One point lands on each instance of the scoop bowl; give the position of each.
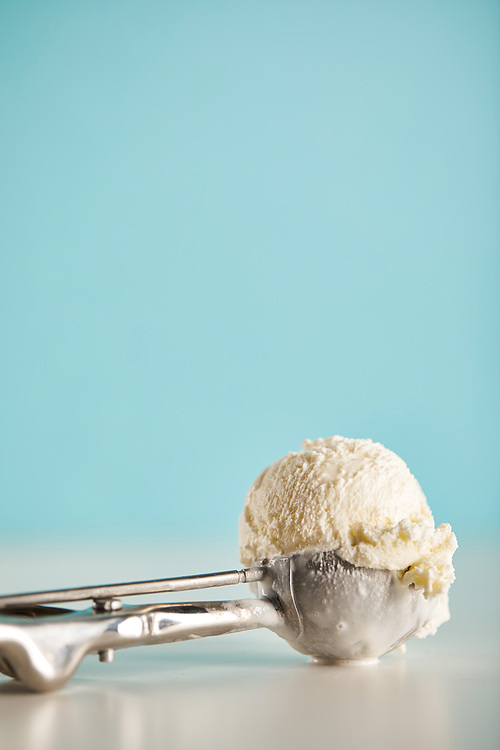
(337, 612)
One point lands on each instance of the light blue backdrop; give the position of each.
(229, 226)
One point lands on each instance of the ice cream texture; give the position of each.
(355, 497)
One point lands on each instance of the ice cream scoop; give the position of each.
(324, 607)
(342, 554)
(359, 499)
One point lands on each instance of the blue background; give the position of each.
(229, 226)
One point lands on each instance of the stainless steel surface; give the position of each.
(348, 613)
(320, 605)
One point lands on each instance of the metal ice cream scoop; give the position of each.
(323, 606)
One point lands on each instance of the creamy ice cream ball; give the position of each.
(355, 497)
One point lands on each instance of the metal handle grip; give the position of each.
(45, 652)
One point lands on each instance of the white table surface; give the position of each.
(251, 690)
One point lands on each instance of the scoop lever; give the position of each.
(135, 588)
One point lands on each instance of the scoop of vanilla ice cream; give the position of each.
(357, 498)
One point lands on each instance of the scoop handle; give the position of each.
(45, 652)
